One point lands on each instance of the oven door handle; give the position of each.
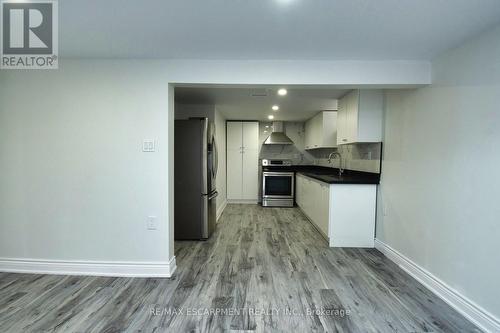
(276, 174)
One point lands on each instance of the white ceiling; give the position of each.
(270, 29)
(254, 103)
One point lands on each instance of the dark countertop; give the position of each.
(330, 175)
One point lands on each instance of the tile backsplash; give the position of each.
(360, 157)
(295, 152)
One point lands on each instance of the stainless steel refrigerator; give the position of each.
(195, 173)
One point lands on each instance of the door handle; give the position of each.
(216, 158)
(213, 195)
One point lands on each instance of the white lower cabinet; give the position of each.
(344, 213)
(313, 198)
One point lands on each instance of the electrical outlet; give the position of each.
(152, 223)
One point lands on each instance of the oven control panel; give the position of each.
(269, 162)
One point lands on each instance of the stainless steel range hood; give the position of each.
(278, 136)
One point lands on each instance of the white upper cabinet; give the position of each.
(321, 131)
(360, 117)
(242, 161)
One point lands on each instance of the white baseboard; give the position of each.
(92, 268)
(220, 210)
(466, 307)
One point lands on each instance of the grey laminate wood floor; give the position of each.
(260, 259)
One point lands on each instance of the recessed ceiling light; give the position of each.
(271, 117)
(275, 108)
(282, 92)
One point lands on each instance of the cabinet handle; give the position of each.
(344, 140)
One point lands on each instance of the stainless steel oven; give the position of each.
(278, 186)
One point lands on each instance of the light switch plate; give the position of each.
(148, 146)
(152, 223)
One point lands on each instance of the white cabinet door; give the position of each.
(317, 123)
(234, 160)
(250, 168)
(234, 179)
(307, 195)
(303, 190)
(313, 205)
(310, 200)
(342, 121)
(250, 187)
(234, 135)
(308, 135)
(360, 117)
(250, 135)
(329, 139)
(352, 116)
(242, 160)
(299, 190)
(323, 208)
(321, 131)
(313, 198)
(370, 115)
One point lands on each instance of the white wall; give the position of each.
(74, 182)
(438, 202)
(220, 137)
(344, 73)
(186, 111)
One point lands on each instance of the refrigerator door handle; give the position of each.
(216, 158)
(206, 218)
(204, 166)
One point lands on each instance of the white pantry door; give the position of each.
(250, 170)
(234, 159)
(242, 160)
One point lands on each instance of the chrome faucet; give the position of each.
(341, 170)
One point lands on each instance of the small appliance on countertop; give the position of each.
(278, 183)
